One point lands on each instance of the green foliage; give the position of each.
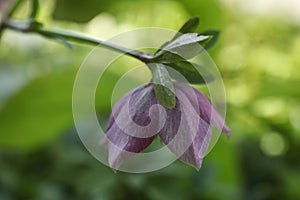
(214, 35)
(181, 48)
(163, 86)
(188, 27)
(42, 158)
(77, 11)
(38, 112)
(42, 110)
(186, 45)
(194, 73)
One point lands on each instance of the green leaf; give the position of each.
(185, 39)
(184, 47)
(214, 36)
(191, 73)
(42, 110)
(188, 27)
(35, 6)
(163, 86)
(77, 10)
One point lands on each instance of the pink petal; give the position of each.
(185, 133)
(131, 113)
(207, 112)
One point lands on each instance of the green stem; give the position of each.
(14, 7)
(29, 26)
(35, 6)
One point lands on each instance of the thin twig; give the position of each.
(14, 7)
(29, 26)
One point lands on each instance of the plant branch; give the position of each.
(35, 8)
(14, 7)
(30, 26)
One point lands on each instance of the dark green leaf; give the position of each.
(188, 27)
(191, 73)
(168, 57)
(77, 10)
(213, 39)
(163, 86)
(35, 6)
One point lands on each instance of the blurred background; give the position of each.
(41, 156)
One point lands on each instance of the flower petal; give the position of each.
(185, 133)
(206, 110)
(117, 108)
(197, 150)
(131, 117)
(122, 146)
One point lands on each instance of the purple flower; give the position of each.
(138, 118)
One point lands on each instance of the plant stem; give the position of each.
(29, 26)
(35, 8)
(14, 7)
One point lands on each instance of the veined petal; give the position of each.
(121, 146)
(137, 118)
(130, 117)
(117, 108)
(206, 110)
(197, 150)
(185, 133)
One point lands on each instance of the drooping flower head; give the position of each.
(180, 115)
(138, 118)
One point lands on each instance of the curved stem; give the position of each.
(78, 37)
(14, 7)
(29, 26)
(35, 5)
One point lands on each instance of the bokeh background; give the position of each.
(41, 156)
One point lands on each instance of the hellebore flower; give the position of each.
(138, 118)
